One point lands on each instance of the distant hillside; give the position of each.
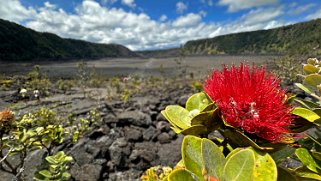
(302, 38)
(172, 52)
(23, 44)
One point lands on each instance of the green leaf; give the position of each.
(210, 119)
(45, 173)
(51, 160)
(310, 69)
(307, 104)
(304, 88)
(307, 160)
(68, 159)
(197, 101)
(313, 80)
(53, 167)
(66, 175)
(210, 107)
(180, 175)
(59, 155)
(203, 118)
(192, 154)
(265, 167)
(305, 113)
(207, 118)
(213, 158)
(176, 130)
(318, 112)
(240, 166)
(195, 130)
(178, 116)
(233, 152)
(305, 173)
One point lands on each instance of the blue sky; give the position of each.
(155, 24)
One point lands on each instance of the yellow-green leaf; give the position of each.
(240, 166)
(305, 157)
(310, 69)
(195, 130)
(192, 154)
(305, 173)
(213, 158)
(197, 101)
(306, 114)
(265, 167)
(178, 116)
(313, 79)
(304, 88)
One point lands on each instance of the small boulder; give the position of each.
(133, 134)
(136, 118)
(164, 138)
(86, 172)
(149, 133)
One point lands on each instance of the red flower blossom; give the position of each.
(251, 100)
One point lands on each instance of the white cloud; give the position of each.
(299, 9)
(189, 20)
(314, 15)
(235, 5)
(92, 22)
(49, 5)
(255, 17)
(13, 10)
(180, 7)
(163, 18)
(254, 20)
(130, 3)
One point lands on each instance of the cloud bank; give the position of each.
(91, 21)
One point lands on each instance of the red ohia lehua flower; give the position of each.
(251, 100)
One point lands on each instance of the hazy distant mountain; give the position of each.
(24, 44)
(171, 52)
(301, 38)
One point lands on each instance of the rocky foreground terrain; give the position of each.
(131, 137)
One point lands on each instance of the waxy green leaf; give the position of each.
(178, 116)
(304, 88)
(192, 155)
(313, 80)
(307, 174)
(213, 158)
(305, 157)
(310, 69)
(265, 167)
(198, 101)
(195, 130)
(305, 113)
(240, 166)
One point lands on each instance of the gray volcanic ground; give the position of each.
(130, 136)
(169, 67)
